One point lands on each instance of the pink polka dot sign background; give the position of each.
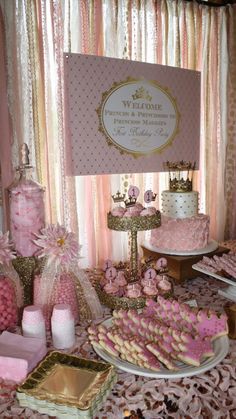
(125, 116)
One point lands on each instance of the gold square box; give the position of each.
(67, 386)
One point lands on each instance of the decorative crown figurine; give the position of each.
(179, 180)
(130, 202)
(133, 194)
(118, 197)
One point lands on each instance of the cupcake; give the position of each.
(150, 289)
(148, 211)
(139, 206)
(118, 211)
(145, 281)
(132, 212)
(111, 288)
(164, 284)
(120, 280)
(133, 291)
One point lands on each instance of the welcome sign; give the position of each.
(124, 116)
(138, 117)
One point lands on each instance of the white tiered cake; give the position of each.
(179, 204)
(182, 228)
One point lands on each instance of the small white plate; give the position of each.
(212, 245)
(220, 345)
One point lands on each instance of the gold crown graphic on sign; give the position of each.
(142, 93)
(118, 197)
(179, 181)
(130, 202)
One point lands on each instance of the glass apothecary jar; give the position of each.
(27, 211)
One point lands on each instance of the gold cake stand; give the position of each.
(133, 224)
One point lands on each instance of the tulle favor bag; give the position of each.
(60, 281)
(11, 293)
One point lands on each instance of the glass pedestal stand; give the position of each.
(134, 224)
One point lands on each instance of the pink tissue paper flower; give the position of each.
(58, 245)
(6, 252)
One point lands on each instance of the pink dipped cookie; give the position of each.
(211, 324)
(194, 350)
(205, 323)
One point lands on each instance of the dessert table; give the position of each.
(209, 395)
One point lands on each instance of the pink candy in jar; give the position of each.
(64, 293)
(27, 214)
(8, 305)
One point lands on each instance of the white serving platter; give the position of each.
(221, 348)
(212, 245)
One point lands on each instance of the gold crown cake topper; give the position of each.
(179, 181)
(118, 197)
(130, 202)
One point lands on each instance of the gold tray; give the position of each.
(68, 380)
(148, 222)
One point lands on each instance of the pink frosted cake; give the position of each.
(182, 228)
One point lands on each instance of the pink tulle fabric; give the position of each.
(64, 292)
